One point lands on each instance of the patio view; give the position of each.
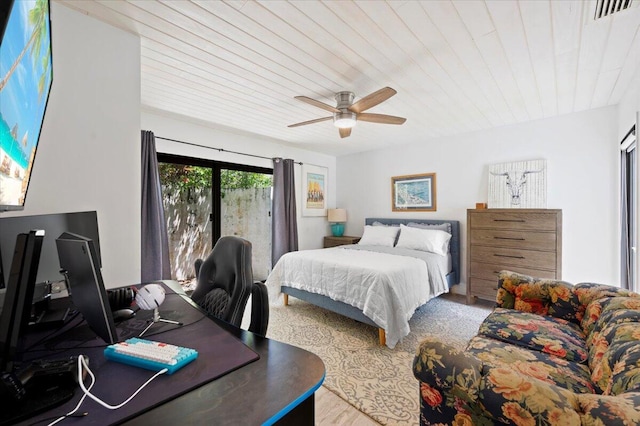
(192, 219)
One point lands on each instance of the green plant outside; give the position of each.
(184, 177)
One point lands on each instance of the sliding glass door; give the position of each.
(204, 200)
(245, 211)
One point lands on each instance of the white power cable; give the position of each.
(82, 363)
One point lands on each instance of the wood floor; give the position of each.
(333, 410)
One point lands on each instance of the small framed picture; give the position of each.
(415, 193)
(314, 190)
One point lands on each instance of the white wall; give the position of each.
(629, 106)
(581, 153)
(89, 152)
(311, 230)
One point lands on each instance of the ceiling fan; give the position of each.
(346, 113)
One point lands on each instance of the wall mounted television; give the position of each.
(26, 74)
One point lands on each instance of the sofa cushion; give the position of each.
(614, 353)
(546, 334)
(589, 293)
(619, 370)
(551, 369)
(610, 410)
(625, 358)
(526, 401)
(565, 303)
(614, 310)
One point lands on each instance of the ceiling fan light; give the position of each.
(344, 120)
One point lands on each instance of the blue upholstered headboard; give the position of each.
(454, 275)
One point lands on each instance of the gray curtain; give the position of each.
(155, 241)
(284, 228)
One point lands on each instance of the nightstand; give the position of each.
(339, 241)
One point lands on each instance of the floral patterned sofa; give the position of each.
(550, 353)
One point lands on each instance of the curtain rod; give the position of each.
(219, 149)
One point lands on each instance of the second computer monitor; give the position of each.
(78, 259)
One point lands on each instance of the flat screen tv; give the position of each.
(26, 74)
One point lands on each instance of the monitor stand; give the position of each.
(50, 319)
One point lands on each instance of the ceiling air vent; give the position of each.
(608, 7)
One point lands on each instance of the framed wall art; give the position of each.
(314, 190)
(519, 184)
(415, 193)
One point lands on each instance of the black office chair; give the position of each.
(259, 308)
(224, 282)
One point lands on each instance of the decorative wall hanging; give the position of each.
(314, 190)
(520, 184)
(413, 193)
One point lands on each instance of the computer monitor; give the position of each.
(81, 223)
(78, 259)
(19, 294)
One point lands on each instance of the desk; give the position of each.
(278, 388)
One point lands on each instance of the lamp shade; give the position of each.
(337, 215)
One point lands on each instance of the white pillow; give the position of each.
(379, 235)
(432, 240)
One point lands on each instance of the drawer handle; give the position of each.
(509, 220)
(509, 238)
(506, 255)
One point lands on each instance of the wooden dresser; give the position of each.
(528, 241)
(339, 241)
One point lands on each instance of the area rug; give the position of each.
(376, 380)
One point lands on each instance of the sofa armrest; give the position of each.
(542, 296)
(515, 288)
(449, 382)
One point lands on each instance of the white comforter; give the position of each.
(386, 287)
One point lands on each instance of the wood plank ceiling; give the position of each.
(458, 66)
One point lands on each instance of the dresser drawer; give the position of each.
(514, 220)
(511, 258)
(515, 239)
(484, 289)
(489, 271)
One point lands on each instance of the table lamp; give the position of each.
(337, 218)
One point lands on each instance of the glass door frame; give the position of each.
(216, 167)
(630, 204)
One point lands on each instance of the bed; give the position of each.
(361, 282)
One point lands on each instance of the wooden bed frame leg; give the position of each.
(286, 299)
(382, 337)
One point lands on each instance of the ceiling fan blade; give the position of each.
(372, 100)
(317, 104)
(381, 118)
(345, 132)
(317, 120)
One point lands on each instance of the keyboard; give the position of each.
(150, 354)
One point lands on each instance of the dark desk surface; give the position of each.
(265, 391)
(261, 392)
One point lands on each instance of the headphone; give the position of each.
(121, 298)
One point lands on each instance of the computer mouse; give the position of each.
(123, 314)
